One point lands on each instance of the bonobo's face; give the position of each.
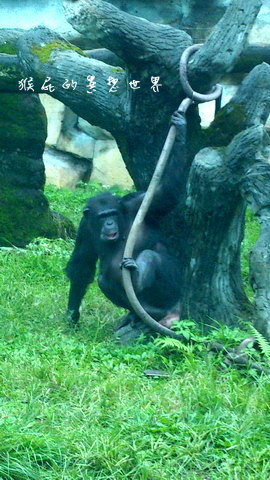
(109, 228)
(103, 217)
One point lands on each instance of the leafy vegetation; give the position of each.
(76, 405)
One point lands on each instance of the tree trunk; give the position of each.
(208, 226)
(215, 218)
(24, 209)
(255, 189)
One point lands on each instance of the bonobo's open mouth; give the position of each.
(112, 236)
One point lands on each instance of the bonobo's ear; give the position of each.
(86, 210)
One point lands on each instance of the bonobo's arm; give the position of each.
(168, 190)
(80, 270)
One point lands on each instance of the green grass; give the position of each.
(75, 405)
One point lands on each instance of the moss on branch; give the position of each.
(44, 53)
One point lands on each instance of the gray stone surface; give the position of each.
(63, 171)
(75, 149)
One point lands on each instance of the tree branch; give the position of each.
(9, 60)
(10, 70)
(106, 56)
(253, 95)
(226, 41)
(242, 151)
(213, 168)
(44, 54)
(142, 43)
(252, 56)
(134, 39)
(8, 39)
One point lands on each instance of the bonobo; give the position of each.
(102, 235)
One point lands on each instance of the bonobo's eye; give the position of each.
(86, 210)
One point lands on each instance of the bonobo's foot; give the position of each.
(128, 319)
(178, 119)
(129, 264)
(73, 317)
(169, 320)
(130, 329)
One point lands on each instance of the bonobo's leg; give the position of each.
(157, 282)
(80, 276)
(148, 263)
(76, 294)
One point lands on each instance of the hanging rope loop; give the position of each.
(214, 93)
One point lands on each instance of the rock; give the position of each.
(260, 32)
(65, 170)
(70, 120)
(95, 132)
(74, 145)
(207, 110)
(63, 226)
(55, 111)
(128, 334)
(76, 142)
(108, 165)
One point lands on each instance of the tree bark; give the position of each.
(252, 56)
(214, 203)
(255, 189)
(215, 213)
(208, 225)
(249, 106)
(227, 40)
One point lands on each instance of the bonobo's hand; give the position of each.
(178, 119)
(129, 264)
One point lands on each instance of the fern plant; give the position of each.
(168, 343)
(262, 342)
(192, 339)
